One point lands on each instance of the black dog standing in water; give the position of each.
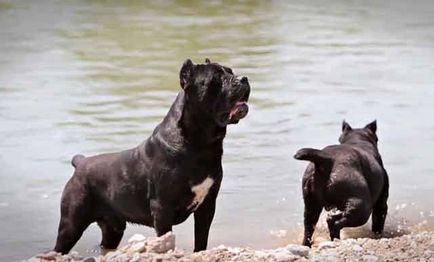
(175, 172)
(348, 180)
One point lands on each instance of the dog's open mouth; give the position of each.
(239, 111)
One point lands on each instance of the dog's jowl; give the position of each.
(347, 180)
(177, 171)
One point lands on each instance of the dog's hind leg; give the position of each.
(76, 216)
(355, 214)
(312, 211)
(379, 210)
(111, 233)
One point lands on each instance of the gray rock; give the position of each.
(326, 245)
(298, 250)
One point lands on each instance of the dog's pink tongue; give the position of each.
(239, 110)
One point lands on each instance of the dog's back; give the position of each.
(343, 171)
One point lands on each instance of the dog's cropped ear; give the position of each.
(207, 61)
(186, 73)
(372, 126)
(346, 127)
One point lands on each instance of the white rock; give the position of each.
(135, 258)
(136, 238)
(284, 257)
(74, 255)
(112, 255)
(48, 256)
(357, 248)
(123, 258)
(369, 258)
(138, 247)
(298, 250)
(161, 244)
(261, 254)
(235, 250)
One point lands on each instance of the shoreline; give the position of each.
(411, 247)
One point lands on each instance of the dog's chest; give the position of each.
(200, 191)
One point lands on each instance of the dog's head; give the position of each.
(215, 91)
(368, 133)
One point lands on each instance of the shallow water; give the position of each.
(97, 76)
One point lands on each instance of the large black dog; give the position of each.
(175, 172)
(348, 180)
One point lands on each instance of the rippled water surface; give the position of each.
(97, 76)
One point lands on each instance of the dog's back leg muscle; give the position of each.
(75, 215)
(111, 234)
(312, 211)
(355, 214)
(379, 210)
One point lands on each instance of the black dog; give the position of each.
(348, 180)
(175, 172)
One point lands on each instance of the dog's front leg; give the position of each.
(203, 217)
(163, 217)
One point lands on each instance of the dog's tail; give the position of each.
(314, 155)
(76, 160)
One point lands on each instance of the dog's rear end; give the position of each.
(347, 181)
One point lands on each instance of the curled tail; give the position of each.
(314, 155)
(76, 160)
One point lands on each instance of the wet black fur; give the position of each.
(349, 177)
(151, 183)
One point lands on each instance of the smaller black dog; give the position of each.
(348, 180)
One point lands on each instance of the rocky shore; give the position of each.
(411, 247)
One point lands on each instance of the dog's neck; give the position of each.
(183, 122)
(366, 145)
(363, 143)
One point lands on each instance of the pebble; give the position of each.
(136, 238)
(74, 255)
(48, 256)
(298, 250)
(284, 257)
(357, 248)
(138, 247)
(112, 255)
(326, 245)
(161, 244)
(369, 258)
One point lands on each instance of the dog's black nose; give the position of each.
(244, 80)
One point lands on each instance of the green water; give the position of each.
(97, 76)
